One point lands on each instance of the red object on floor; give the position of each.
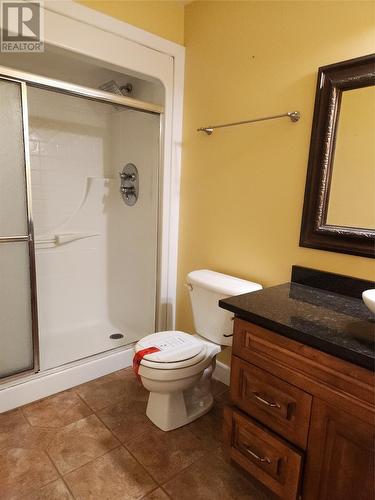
(138, 356)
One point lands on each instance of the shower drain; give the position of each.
(116, 336)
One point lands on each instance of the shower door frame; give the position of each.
(29, 238)
(23, 79)
(44, 82)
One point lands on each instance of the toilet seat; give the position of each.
(177, 350)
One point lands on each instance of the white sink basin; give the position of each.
(368, 297)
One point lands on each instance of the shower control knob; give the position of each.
(128, 191)
(128, 177)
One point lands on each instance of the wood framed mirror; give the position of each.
(339, 206)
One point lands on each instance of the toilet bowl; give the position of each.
(176, 367)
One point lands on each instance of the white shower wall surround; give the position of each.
(96, 258)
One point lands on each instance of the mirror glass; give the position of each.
(352, 192)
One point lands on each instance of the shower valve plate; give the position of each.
(129, 188)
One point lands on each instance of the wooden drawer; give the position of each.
(282, 407)
(270, 460)
(344, 384)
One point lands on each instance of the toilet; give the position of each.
(176, 367)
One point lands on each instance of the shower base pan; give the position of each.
(67, 345)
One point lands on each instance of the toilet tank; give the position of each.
(206, 289)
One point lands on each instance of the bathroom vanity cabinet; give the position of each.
(301, 421)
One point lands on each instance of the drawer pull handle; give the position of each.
(263, 460)
(271, 404)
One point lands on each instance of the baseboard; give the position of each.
(222, 373)
(42, 385)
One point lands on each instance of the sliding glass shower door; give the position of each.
(18, 317)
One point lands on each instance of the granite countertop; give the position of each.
(336, 324)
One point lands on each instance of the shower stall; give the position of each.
(79, 238)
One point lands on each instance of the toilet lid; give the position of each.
(174, 346)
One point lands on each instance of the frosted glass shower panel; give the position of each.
(16, 345)
(13, 219)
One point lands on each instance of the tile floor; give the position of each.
(94, 442)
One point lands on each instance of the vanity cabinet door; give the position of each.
(340, 456)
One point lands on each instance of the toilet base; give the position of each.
(170, 411)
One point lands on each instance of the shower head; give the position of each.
(114, 88)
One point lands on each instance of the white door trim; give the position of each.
(86, 15)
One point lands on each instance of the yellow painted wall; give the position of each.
(242, 188)
(163, 18)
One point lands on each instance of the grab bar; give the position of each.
(53, 240)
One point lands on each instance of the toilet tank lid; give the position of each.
(221, 283)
